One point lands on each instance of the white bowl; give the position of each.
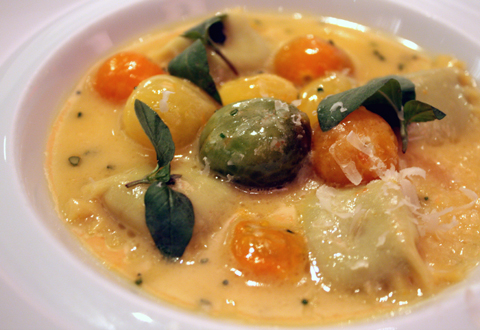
(40, 260)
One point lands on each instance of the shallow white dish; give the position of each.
(44, 264)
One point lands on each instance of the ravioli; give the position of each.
(444, 89)
(365, 238)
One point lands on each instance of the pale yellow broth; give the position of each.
(204, 279)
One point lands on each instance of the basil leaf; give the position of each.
(417, 112)
(406, 85)
(392, 97)
(210, 31)
(169, 214)
(377, 95)
(157, 132)
(192, 64)
(170, 219)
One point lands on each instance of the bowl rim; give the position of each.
(128, 307)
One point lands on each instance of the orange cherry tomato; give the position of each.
(268, 252)
(308, 57)
(120, 74)
(338, 152)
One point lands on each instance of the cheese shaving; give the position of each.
(382, 239)
(280, 105)
(348, 167)
(206, 169)
(297, 119)
(431, 221)
(364, 145)
(398, 180)
(296, 103)
(360, 264)
(326, 197)
(162, 104)
(338, 106)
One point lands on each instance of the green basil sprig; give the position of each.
(392, 97)
(169, 214)
(170, 218)
(209, 31)
(192, 63)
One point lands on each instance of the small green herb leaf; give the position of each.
(157, 132)
(417, 112)
(192, 64)
(211, 34)
(395, 92)
(210, 31)
(74, 160)
(170, 219)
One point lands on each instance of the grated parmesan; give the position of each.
(348, 167)
(162, 104)
(338, 106)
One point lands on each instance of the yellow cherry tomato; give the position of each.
(183, 106)
(313, 93)
(261, 85)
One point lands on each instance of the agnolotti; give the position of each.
(365, 238)
(127, 207)
(444, 88)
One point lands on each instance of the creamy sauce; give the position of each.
(206, 278)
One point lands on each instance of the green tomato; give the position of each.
(260, 142)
